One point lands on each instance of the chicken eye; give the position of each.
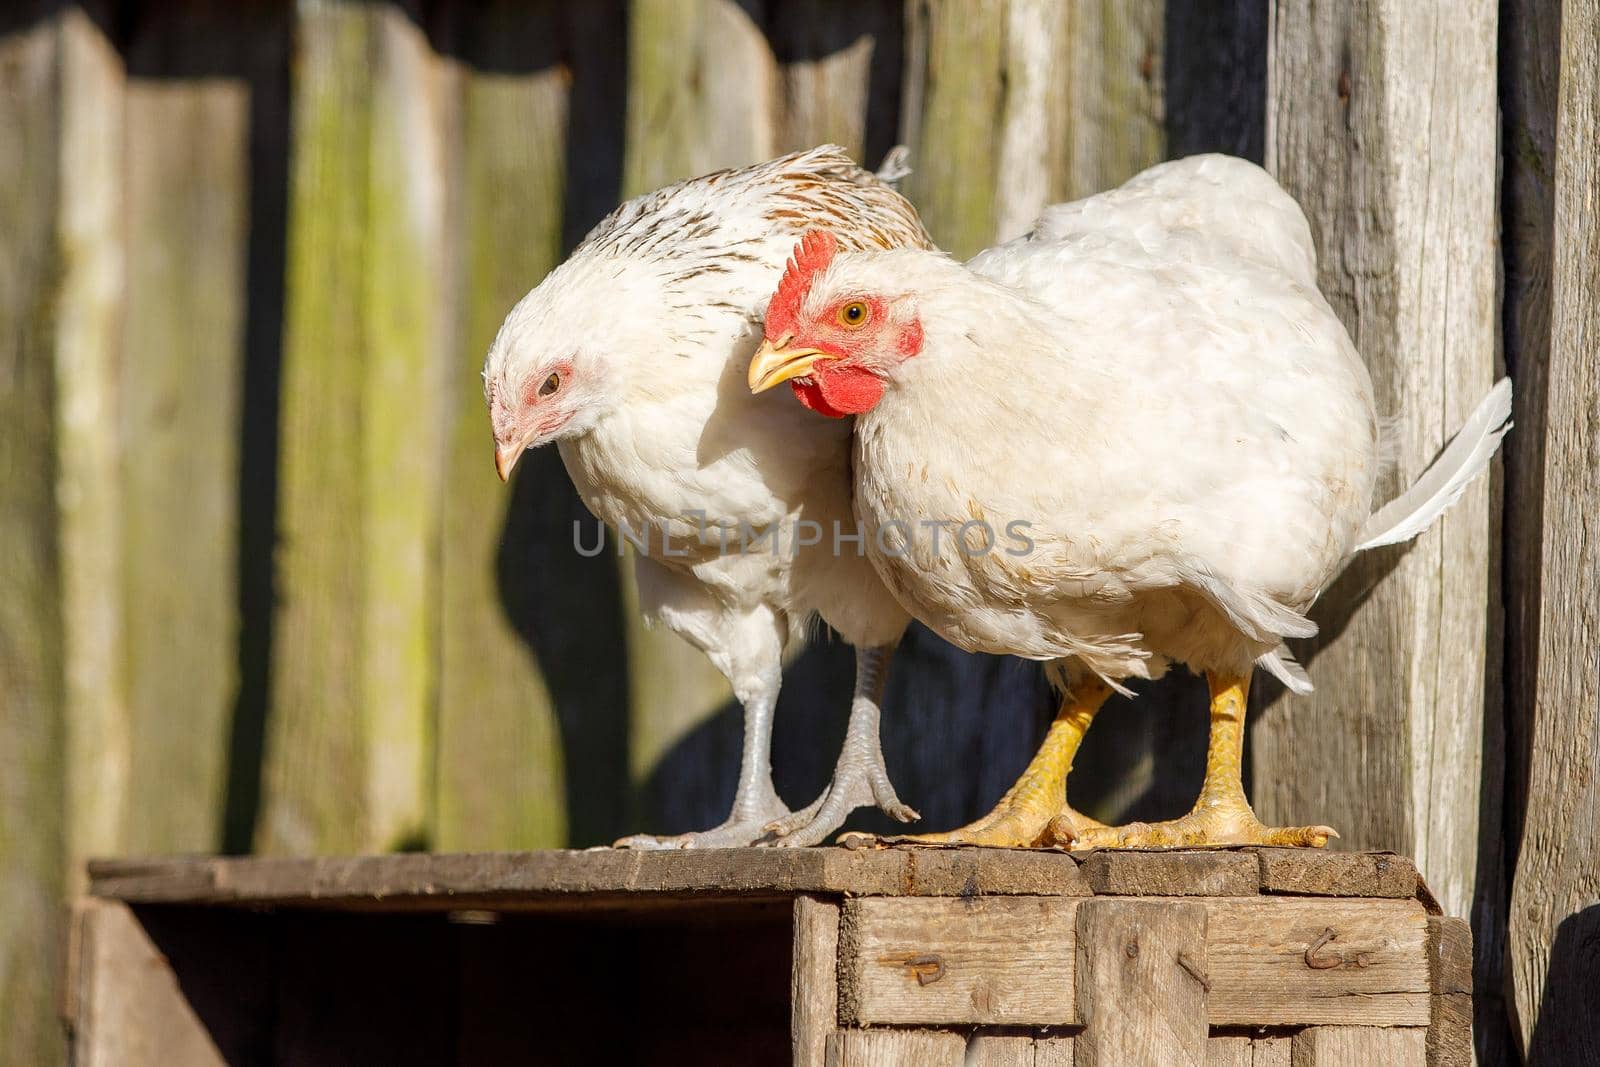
(551, 384)
(854, 315)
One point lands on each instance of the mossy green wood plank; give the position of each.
(188, 143)
(348, 762)
(32, 788)
(319, 755)
(701, 84)
(500, 776)
(407, 333)
(952, 117)
(90, 493)
(1115, 106)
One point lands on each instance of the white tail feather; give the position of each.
(1282, 665)
(896, 165)
(1442, 484)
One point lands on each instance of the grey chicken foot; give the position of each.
(859, 778)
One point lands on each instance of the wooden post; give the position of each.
(1381, 121)
(32, 773)
(814, 983)
(1557, 885)
(890, 1048)
(1142, 983)
(349, 761)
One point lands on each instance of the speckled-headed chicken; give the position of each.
(631, 357)
(1145, 439)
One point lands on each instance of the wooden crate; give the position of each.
(838, 957)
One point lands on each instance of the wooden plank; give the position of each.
(1271, 1051)
(1229, 1052)
(952, 112)
(188, 226)
(353, 664)
(1449, 955)
(763, 873)
(814, 982)
(89, 412)
(840, 71)
(1336, 874)
(1053, 1052)
(974, 961)
(129, 1010)
(32, 824)
(895, 1048)
(1116, 104)
(1358, 1046)
(1449, 1041)
(999, 1049)
(1381, 121)
(1142, 982)
(1556, 884)
(1373, 970)
(1164, 874)
(1007, 961)
(500, 752)
(1035, 143)
(1530, 61)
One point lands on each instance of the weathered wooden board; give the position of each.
(1358, 1046)
(895, 1048)
(1553, 914)
(1272, 961)
(814, 979)
(32, 766)
(1000, 1049)
(499, 751)
(1337, 874)
(1158, 874)
(1381, 121)
(88, 356)
(127, 1008)
(1142, 982)
(975, 961)
(347, 765)
(724, 872)
(187, 204)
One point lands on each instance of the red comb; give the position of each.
(813, 253)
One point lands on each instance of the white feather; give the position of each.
(1442, 484)
(1281, 664)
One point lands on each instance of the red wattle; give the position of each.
(839, 391)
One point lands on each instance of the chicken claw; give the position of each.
(1221, 815)
(859, 781)
(746, 826)
(859, 778)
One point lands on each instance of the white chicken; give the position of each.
(631, 357)
(1145, 439)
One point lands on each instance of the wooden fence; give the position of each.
(259, 587)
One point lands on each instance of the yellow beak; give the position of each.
(776, 362)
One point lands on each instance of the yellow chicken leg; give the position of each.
(1025, 813)
(1221, 815)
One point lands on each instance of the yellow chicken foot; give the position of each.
(1221, 815)
(1025, 813)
